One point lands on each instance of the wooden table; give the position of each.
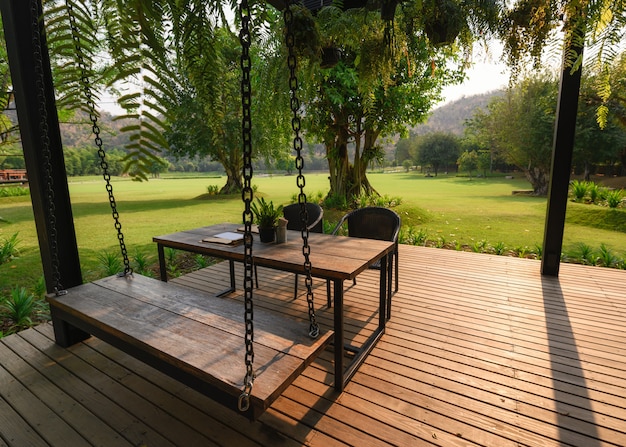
(334, 258)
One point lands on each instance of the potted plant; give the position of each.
(266, 217)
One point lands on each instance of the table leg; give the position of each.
(162, 267)
(338, 296)
(231, 268)
(362, 353)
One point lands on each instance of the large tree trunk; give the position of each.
(539, 179)
(232, 164)
(233, 183)
(349, 179)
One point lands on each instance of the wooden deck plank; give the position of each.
(481, 350)
(62, 416)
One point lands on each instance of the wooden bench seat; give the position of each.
(194, 337)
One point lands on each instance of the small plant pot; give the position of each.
(267, 234)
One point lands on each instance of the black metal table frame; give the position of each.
(346, 372)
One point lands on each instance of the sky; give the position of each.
(482, 77)
(485, 75)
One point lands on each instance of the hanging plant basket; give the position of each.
(443, 21)
(330, 57)
(388, 10)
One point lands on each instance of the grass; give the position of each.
(446, 209)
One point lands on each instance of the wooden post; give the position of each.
(17, 17)
(563, 147)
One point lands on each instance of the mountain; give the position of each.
(451, 117)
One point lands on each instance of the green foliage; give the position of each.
(438, 151)
(18, 308)
(266, 215)
(583, 254)
(468, 161)
(499, 248)
(607, 257)
(613, 219)
(141, 264)
(595, 192)
(13, 191)
(479, 246)
(335, 201)
(110, 263)
(384, 201)
(39, 289)
(213, 190)
(614, 198)
(579, 190)
(412, 236)
(8, 248)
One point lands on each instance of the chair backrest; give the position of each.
(373, 223)
(315, 217)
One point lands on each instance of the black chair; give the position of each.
(315, 224)
(375, 223)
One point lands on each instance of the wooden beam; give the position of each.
(563, 147)
(17, 17)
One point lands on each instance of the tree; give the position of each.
(438, 150)
(148, 39)
(484, 162)
(468, 161)
(376, 89)
(520, 126)
(405, 149)
(594, 144)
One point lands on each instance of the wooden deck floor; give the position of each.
(480, 350)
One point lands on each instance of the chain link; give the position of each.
(45, 147)
(247, 196)
(95, 129)
(314, 329)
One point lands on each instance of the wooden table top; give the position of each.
(332, 257)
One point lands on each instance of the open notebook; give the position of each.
(228, 238)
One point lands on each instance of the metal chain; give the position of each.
(93, 117)
(45, 149)
(314, 329)
(247, 196)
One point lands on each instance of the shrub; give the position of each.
(479, 246)
(594, 192)
(8, 249)
(614, 198)
(606, 257)
(579, 190)
(39, 289)
(13, 191)
(583, 254)
(19, 308)
(110, 264)
(411, 236)
(213, 190)
(141, 264)
(499, 248)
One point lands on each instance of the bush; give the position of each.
(8, 249)
(18, 308)
(614, 198)
(579, 190)
(213, 190)
(13, 191)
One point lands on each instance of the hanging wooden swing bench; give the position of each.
(190, 335)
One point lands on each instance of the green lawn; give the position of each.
(446, 208)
